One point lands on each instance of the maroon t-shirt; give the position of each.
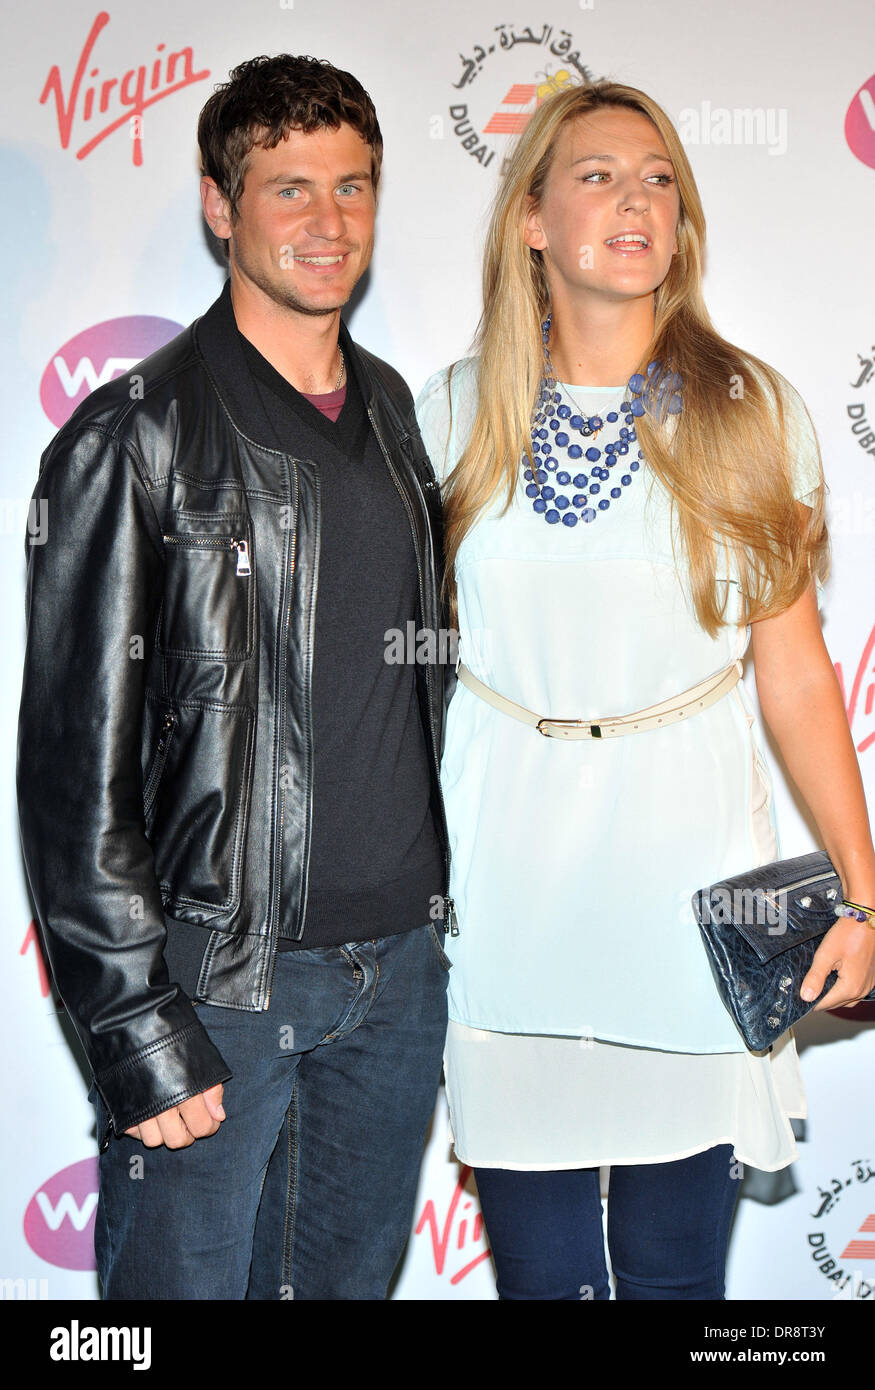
(330, 402)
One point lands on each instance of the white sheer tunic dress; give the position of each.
(585, 1025)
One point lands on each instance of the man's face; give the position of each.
(304, 230)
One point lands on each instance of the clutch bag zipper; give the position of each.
(800, 883)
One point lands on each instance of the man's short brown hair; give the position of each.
(264, 100)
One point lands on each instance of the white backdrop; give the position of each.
(106, 255)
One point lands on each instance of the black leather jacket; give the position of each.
(165, 746)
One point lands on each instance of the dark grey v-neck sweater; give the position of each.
(375, 857)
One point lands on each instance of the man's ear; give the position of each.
(216, 208)
(533, 234)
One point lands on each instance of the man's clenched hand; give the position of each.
(195, 1118)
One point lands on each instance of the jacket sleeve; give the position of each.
(92, 602)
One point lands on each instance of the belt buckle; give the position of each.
(594, 729)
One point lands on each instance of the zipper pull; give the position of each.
(242, 548)
(452, 922)
(104, 1143)
(167, 726)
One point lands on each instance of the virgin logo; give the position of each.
(460, 1232)
(121, 99)
(97, 355)
(860, 700)
(59, 1220)
(32, 939)
(860, 706)
(860, 123)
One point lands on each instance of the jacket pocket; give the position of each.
(152, 778)
(199, 807)
(209, 589)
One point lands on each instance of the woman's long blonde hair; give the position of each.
(726, 466)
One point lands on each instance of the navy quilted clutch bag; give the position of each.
(761, 930)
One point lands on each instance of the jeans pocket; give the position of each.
(441, 953)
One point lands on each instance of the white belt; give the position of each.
(681, 706)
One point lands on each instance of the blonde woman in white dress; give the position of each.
(631, 504)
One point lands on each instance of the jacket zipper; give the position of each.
(150, 790)
(281, 724)
(449, 905)
(216, 543)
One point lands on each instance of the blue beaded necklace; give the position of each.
(553, 416)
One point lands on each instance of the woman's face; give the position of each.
(610, 178)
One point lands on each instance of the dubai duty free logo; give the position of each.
(853, 513)
(503, 81)
(860, 412)
(842, 1249)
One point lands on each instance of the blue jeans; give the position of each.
(668, 1228)
(307, 1188)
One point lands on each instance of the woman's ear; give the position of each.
(533, 234)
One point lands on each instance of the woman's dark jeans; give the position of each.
(668, 1228)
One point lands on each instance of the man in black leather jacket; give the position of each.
(229, 799)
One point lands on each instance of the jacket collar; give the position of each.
(218, 339)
